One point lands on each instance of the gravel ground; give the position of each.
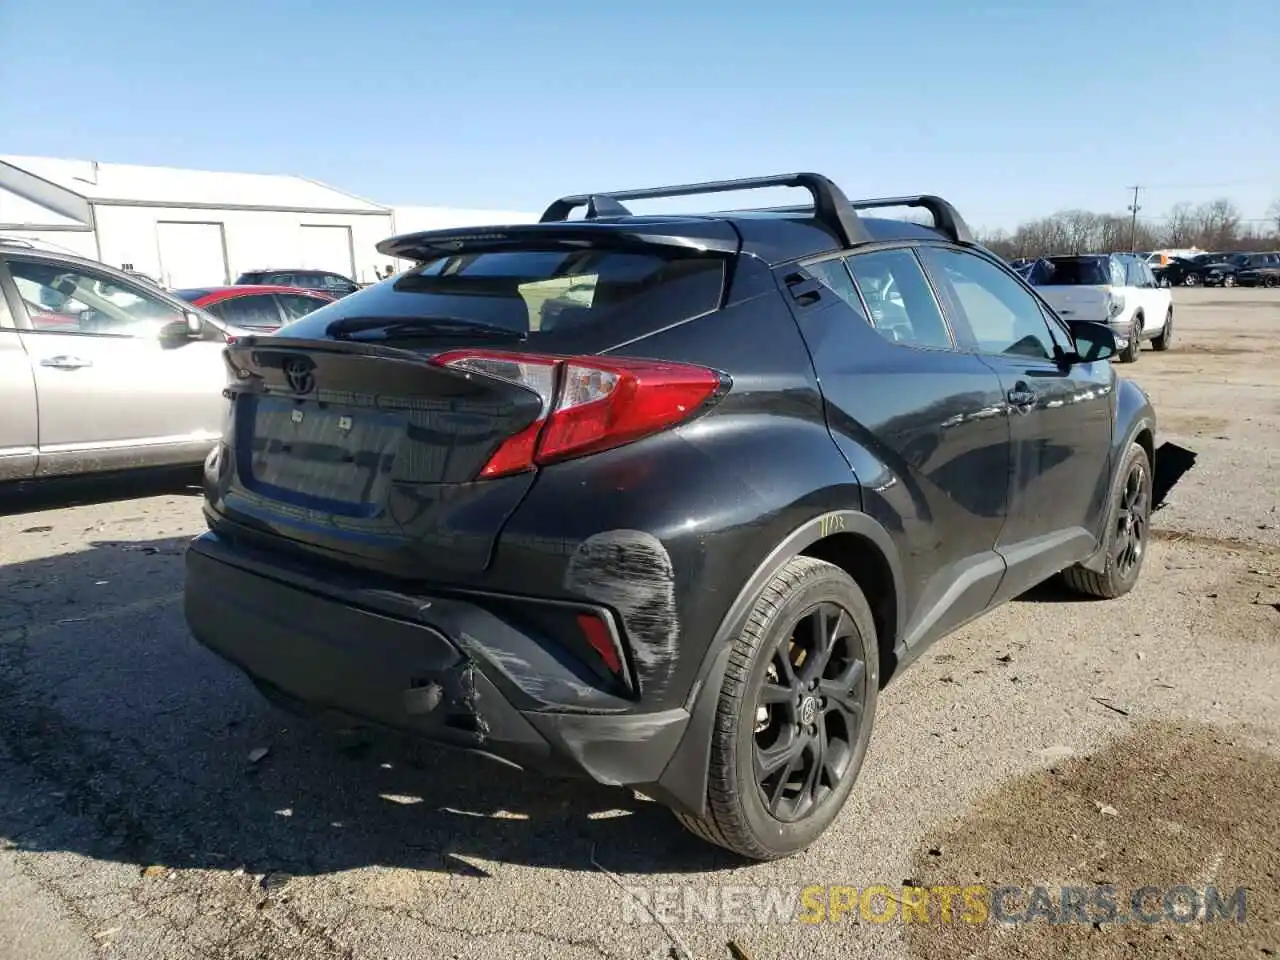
(1052, 742)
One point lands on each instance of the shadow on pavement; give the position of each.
(124, 740)
(1172, 464)
(32, 496)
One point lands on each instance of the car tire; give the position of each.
(1229, 281)
(769, 710)
(1126, 534)
(1271, 282)
(1164, 339)
(1191, 280)
(1130, 353)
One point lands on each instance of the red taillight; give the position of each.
(601, 641)
(589, 404)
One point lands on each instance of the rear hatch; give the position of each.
(398, 428)
(1078, 288)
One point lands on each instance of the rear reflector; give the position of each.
(601, 641)
(589, 404)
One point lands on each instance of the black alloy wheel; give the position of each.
(809, 712)
(1133, 518)
(795, 711)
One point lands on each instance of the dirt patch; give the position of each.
(1169, 806)
(1192, 424)
(1255, 593)
(1214, 349)
(1232, 544)
(1241, 304)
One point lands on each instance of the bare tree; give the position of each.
(1218, 224)
(1180, 226)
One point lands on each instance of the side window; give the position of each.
(1133, 273)
(1002, 316)
(281, 280)
(296, 306)
(903, 308)
(335, 284)
(834, 275)
(256, 312)
(64, 299)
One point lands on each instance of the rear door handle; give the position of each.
(1021, 397)
(804, 290)
(66, 363)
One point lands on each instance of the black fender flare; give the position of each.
(1140, 416)
(683, 783)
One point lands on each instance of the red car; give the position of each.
(255, 307)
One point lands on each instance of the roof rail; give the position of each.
(945, 217)
(46, 246)
(830, 206)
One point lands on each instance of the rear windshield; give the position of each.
(1072, 272)
(535, 291)
(192, 295)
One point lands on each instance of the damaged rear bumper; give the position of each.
(443, 669)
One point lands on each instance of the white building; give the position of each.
(190, 227)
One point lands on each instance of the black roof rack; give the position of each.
(830, 206)
(945, 217)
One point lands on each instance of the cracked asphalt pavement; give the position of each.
(152, 805)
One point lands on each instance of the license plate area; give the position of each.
(326, 456)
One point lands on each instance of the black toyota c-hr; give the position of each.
(662, 500)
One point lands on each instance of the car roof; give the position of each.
(217, 294)
(331, 273)
(830, 224)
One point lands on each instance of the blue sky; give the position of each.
(1010, 109)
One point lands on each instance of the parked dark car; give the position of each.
(255, 307)
(324, 281)
(1259, 270)
(662, 500)
(1206, 269)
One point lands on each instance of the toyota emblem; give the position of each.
(301, 375)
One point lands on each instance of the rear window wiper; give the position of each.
(344, 328)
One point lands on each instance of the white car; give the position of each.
(1113, 288)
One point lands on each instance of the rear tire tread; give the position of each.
(724, 824)
(1105, 584)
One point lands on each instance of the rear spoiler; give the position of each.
(694, 237)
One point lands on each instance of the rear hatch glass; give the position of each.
(531, 292)
(344, 436)
(1073, 272)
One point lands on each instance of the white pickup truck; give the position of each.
(1117, 289)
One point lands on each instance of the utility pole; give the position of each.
(1133, 220)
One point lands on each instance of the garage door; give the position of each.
(192, 254)
(327, 248)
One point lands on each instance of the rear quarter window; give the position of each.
(538, 292)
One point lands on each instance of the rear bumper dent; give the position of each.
(317, 653)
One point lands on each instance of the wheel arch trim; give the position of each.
(683, 783)
(828, 524)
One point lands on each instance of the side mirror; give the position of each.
(1094, 342)
(190, 327)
